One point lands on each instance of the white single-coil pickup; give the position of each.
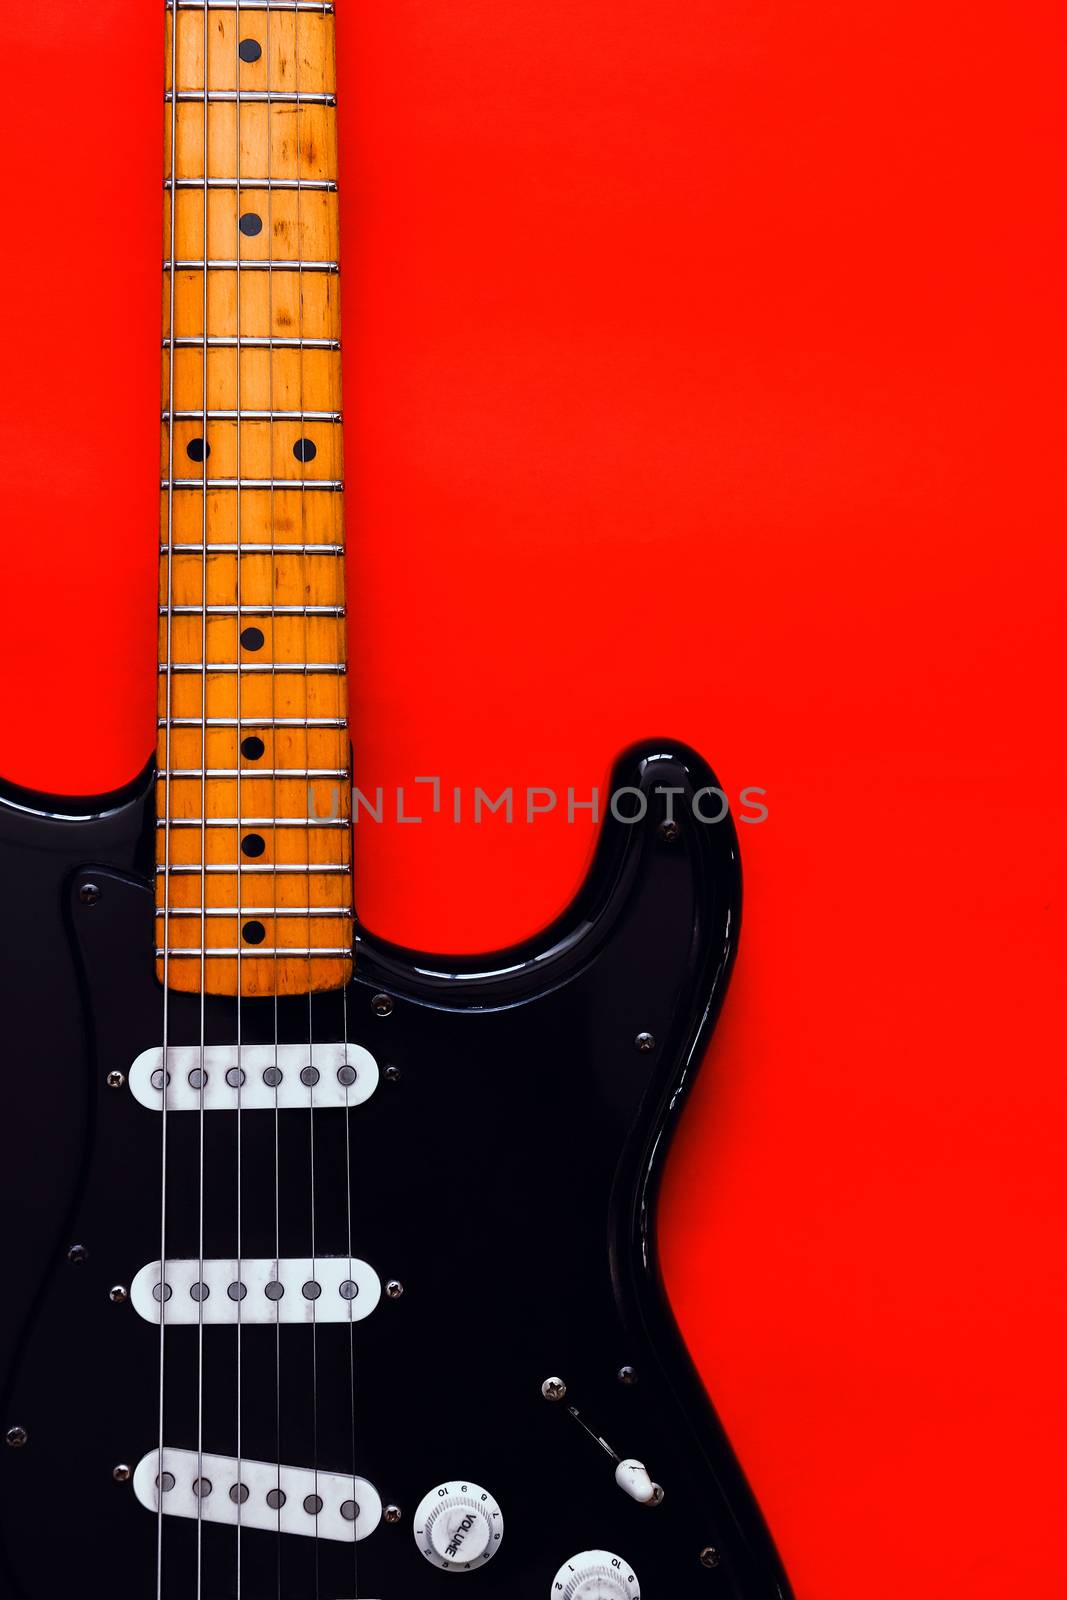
(323, 1505)
(297, 1289)
(255, 1077)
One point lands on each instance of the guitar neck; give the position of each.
(254, 881)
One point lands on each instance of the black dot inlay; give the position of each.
(253, 844)
(252, 638)
(254, 932)
(253, 747)
(305, 450)
(249, 50)
(250, 224)
(197, 450)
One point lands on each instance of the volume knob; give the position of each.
(458, 1526)
(596, 1575)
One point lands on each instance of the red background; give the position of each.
(704, 377)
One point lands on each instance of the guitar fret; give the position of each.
(203, 667)
(186, 870)
(254, 96)
(254, 911)
(320, 7)
(325, 485)
(323, 185)
(251, 416)
(246, 549)
(251, 722)
(253, 822)
(254, 952)
(246, 342)
(250, 772)
(243, 264)
(252, 611)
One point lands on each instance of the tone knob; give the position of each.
(458, 1526)
(596, 1575)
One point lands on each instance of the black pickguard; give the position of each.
(506, 1176)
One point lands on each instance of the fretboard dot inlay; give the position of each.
(250, 50)
(252, 639)
(250, 224)
(197, 450)
(253, 844)
(252, 748)
(253, 933)
(305, 450)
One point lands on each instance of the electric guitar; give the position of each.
(331, 1267)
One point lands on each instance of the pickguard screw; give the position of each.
(553, 1388)
(89, 894)
(394, 1289)
(392, 1074)
(670, 832)
(627, 1375)
(119, 1294)
(382, 1005)
(16, 1437)
(121, 1473)
(645, 1041)
(77, 1253)
(115, 1080)
(392, 1515)
(709, 1556)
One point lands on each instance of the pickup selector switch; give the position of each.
(596, 1575)
(458, 1526)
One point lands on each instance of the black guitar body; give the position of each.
(502, 1180)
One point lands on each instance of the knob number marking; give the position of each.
(596, 1575)
(458, 1526)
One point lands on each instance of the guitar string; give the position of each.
(203, 836)
(344, 760)
(274, 805)
(239, 882)
(299, 116)
(274, 737)
(169, 765)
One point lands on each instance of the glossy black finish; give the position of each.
(505, 1173)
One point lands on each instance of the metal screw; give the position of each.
(121, 1473)
(645, 1041)
(118, 1294)
(115, 1080)
(669, 831)
(382, 1005)
(16, 1437)
(394, 1289)
(709, 1556)
(89, 894)
(77, 1253)
(392, 1074)
(627, 1375)
(553, 1388)
(392, 1515)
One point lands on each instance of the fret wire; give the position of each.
(257, 666)
(250, 772)
(248, 549)
(256, 822)
(284, 868)
(253, 952)
(251, 722)
(323, 185)
(229, 341)
(320, 485)
(246, 415)
(253, 96)
(256, 911)
(254, 611)
(249, 264)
